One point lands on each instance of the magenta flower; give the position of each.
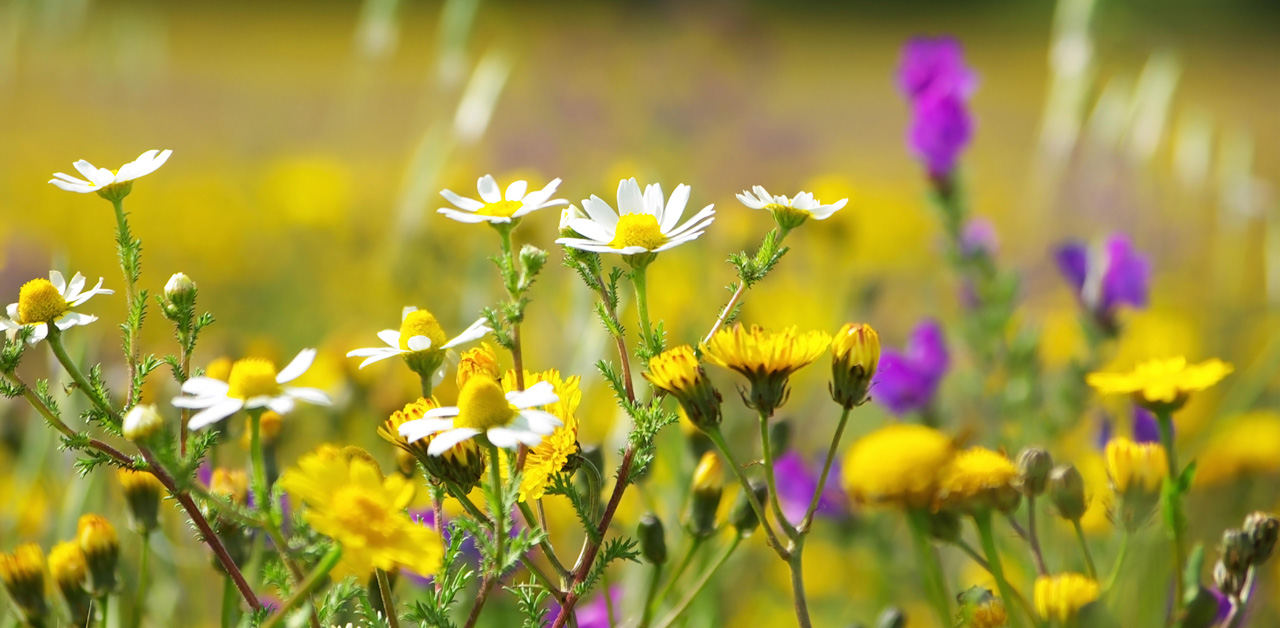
(935, 65)
(908, 380)
(936, 81)
(798, 479)
(1106, 278)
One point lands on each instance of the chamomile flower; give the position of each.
(644, 223)
(107, 183)
(506, 420)
(45, 301)
(252, 384)
(421, 341)
(494, 207)
(790, 213)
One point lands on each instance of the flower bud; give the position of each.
(532, 259)
(678, 372)
(481, 360)
(142, 491)
(179, 297)
(22, 573)
(779, 437)
(71, 574)
(653, 539)
(1262, 529)
(1066, 491)
(567, 215)
(743, 517)
(101, 547)
(855, 355)
(708, 486)
(1034, 466)
(1228, 581)
(142, 423)
(1236, 551)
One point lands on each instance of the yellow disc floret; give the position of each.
(638, 230)
(979, 477)
(755, 350)
(483, 406)
(675, 370)
(1138, 466)
(1060, 597)
(481, 360)
(1166, 381)
(421, 323)
(898, 463)
(554, 453)
(500, 209)
(40, 302)
(252, 377)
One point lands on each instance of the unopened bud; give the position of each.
(1236, 550)
(22, 573)
(71, 574)
(532, 259)
(142, 491)
(142, 423)
(101, 547)
(653, 539)
(568, 215)
(743, 518)
(1229, 582)
(1034, 467)
(708, 486)
(1262, 529)
(179, 297)
(1066, 490)
(855, 356)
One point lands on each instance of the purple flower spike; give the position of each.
(979, 237)
(936, 81)
(940, 130)
(934, 65)
(907, 381)
(1107, 278)
(1145, 428)
(797, 480)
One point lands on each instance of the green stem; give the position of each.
(700, 584)
(545, 544)
(388, 603)
(1084, 547)
(261, 491)
(694, 545)
(230, 603)
(767, 452)
(1173, 493)
(479, 516)
(650, 596)
(801, 603)
(718, 438)
(826, 471)
(1120, 560)
(124, 240)
(104, 603)
(60, 352)
(499, 538)
(139, 603)
(1032, 538)
(511, 279)
(427, 385)
(304, 589)
(983, 520)
(935, 583)
(640, 283)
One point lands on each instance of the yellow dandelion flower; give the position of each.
(22, 574)
(767, 359)
(1060, 597)
(990, 614)
(1162, 384)
(1136, 466)
(678, 372)
(482, 360)
(462, 464)
(899, 463)
(554, 452)
(855, 355)
(349, 501)
(1248, 444)
(979, 477)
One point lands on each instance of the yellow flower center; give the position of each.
(638, 230)
(252, 377)
(421, 323)
(40, 302)
(354, 508)
(502, 209)
(482, 406)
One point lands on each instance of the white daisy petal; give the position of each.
(377, 357)
(600, 212)
(281, 405)
(516, 190)
(81, 188)
(418, 429)
(508, 435)
(205, 387)
(476, 331)
(488, 187)
(87, 170)
(653, 201)
(469, 217)
(313, 396)
(419, 343)
(750, 200)
(461, 202)
(675, 207)
(539, 394)
(297, 367)
(66, 178)
(58, 282)
(445, 441)
(592, 230)
(441, 412)
(215, 413)
(391, 337)
(541, 422)
(38, 332)
(630, 200)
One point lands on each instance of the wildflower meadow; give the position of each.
(638, 315)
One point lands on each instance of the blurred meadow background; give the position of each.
(311, 140)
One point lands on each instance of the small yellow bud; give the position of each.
(142, 423)
(269, 425)
(232, 484)
(708, 486)
(481, 360)
(101, 547)
(71, 574)
(1137, 472)
(855, 355)
(677, 372)
(142, 491)
(1066, 491)
(22, 573)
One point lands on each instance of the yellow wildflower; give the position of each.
(481, 360)
(979, 477)
(855, 355)
(554, 452)
(899, 463)
(462, 464)
(678, 372)
(1162, 384)
(1060, 597)
(350, 501)
(767, 359)
(1136, 466)
(22, 574)
(1248, 444)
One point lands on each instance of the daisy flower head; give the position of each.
(421, 341)
(111, 185)
(497, 208)
(554, 453)
(766, 358)
(1162, 385)
(463, 464)
(42, 302)
(506, 420)
(979, 478)
(790, 213)
(1061, 597)
(349, 501)
(252, 384)
(644, 224)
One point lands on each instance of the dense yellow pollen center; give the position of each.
(356, 510)
(775, 208)
(40, 302)
(638, 230)
(503, 209)
(252, 377)
(421, 323)
(482, 405)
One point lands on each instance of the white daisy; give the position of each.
(795, 210)
(44, 301)
(418, 331)
(644, 223)
(252, 383)
(495, 208)
(508, 421)
(102, 180)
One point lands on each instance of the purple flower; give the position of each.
(934, 65)
(797, 482)
(594, 614)
(425, 517)
(979, 237)
(1106, 278)
(1145, 428)
(1224, 605)
(908, 380)
(936, 81)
